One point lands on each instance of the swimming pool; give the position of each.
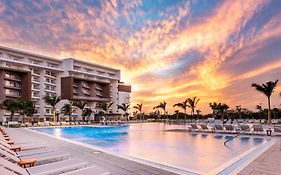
(196, 152)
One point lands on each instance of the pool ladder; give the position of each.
(236, 136)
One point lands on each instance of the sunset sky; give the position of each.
(166, 49)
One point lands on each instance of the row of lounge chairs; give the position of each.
(28, 157)
(235, 129)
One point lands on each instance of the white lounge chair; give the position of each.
(20, 147)
(194, 127)
(36, 159)
(205, 128)
(258, 129)
(219, 128)
(29, 152)
(47, 169)
(230, 128)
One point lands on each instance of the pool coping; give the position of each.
(224, 169)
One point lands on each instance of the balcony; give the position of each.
(86, 92)
(85, 85)
(11, 86)
(98, 88)
(87, 98)
(13, 94)
(12, 77)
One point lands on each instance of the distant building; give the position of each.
(31, 76)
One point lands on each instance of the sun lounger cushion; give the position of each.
(57, 167)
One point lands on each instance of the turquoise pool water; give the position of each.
(198, 152)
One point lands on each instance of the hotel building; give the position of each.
(32, 76)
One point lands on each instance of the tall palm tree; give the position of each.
(104, 107)
(184, 105)
(87, 112)
(162, 106)
(67, 110)
(12, 106)
(267, 89)
(52, 101)
(81, 105)
(139, 108)
(124, 107)
(192, 102)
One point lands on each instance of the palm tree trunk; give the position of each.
(185, 115)
(12, 115)
(269, 111)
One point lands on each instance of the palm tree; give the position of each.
(104, 107)
(139, 108)
(214, 107)
(259, 108)
(26, 108)
(12, 106)
(184, 105)
(267, 89)
(218, 108)
(87, 112)
(67, 110)
(222, 108)
(81, 105)
(198, 111)
(124, 107)
(162, 105)
(192, 102)
(52, 101)
(239, 110)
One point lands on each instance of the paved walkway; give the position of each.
(269, 163)
(115, 165)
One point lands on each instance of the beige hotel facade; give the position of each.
(32, 76)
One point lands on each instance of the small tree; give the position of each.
(87, 112)
(184, 105)
(192, 103)
(12, 106)
(162, 106)
(52, 101)
(67, 110)
(26, 108)
(104, 107)
(81, 105)
(267, 89)
(124, 107)
(139, 108)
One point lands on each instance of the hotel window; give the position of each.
(50, 73)
(35, 79)
(33, 62)
(51, 65)
(35, 86)
(35, 94)
(76, 67)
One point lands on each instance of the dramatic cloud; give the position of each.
(168, 50)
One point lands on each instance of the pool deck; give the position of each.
(269, 163)
(115, 165)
